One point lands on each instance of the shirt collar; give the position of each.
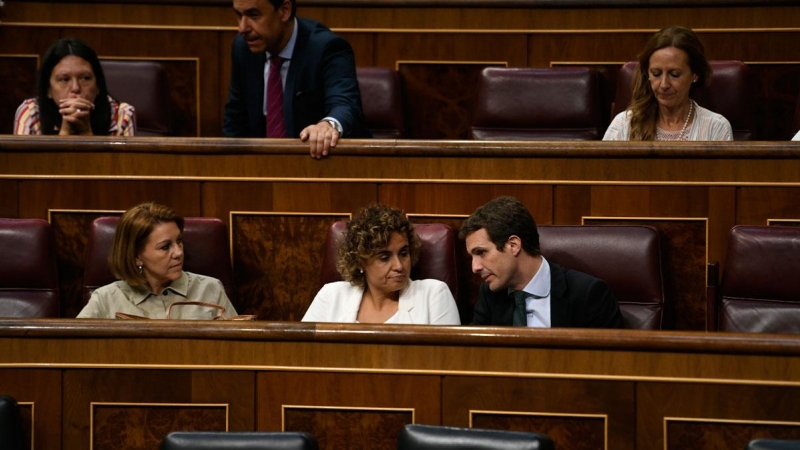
(288, 50)
(539, 286)
(140, 293)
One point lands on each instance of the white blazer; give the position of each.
(422, 302)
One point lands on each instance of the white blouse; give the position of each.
(422, 302)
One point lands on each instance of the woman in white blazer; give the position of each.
(374, 259)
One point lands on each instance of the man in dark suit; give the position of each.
(521, 287)
(321, 99)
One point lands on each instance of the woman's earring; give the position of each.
(140, 268)
(361, 271)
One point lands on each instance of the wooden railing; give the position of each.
(104, 383)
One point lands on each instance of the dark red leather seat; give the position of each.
(437, 257)
(773, 444)
(730, 93)
(627, 257)
(538, 104)
(144, 85)
(382, 102)
(211, 440)
(796, 122)
(432, 437)
(759, 291)
(28, 272)
(206, 252)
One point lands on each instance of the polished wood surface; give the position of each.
(438, 50)
(278, 202)
(356, 385)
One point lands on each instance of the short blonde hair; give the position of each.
(369, 232)
(132, 232)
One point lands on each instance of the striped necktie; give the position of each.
(275, 125)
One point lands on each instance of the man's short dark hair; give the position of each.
(502, 218)
(277, 4)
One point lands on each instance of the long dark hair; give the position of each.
(48, 110)
(644, 104)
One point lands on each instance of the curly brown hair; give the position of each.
(644, 106)
(369, 232)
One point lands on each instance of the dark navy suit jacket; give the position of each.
(321, 83)
(577, 300)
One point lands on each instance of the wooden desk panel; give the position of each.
(134, 381)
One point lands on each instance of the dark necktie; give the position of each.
(520, 313)
(275, 125)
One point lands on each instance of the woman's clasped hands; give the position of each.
(75, 116)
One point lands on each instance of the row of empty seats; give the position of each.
(757, 292)
(412, 437)
(512, 103)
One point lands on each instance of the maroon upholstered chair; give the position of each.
(28, 272)
(538, 104)
(437, 257)
(144, 85)
(206, 252)
(437, 437)
(627, 257)
(759, 291)
(730, 93)
(382, 102)
(796, 122)
(239, 440)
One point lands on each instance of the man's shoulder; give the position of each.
(313, 26)
(573, 277)
(317, 32)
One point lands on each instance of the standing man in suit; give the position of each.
(520, 287)
(321, 99)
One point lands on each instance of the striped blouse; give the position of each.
(123, 119)
(707, 126)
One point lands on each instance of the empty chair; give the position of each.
(211, 440)
(772, 444)
(10, 424)
(730, 93)
(382, 102)
(28, 272)
(144, 85)
(429, 437)
(759, 291)
(437, 255)
(627, 257)
(206, 252)
(538, 104)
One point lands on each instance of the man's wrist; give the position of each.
(333, 124)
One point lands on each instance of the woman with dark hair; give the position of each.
(672, 62)
(72, 97)
(375, 258)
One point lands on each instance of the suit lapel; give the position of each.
(559, 305)
(295, 68)
(255, 84)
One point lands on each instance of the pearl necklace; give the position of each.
(670, 136)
